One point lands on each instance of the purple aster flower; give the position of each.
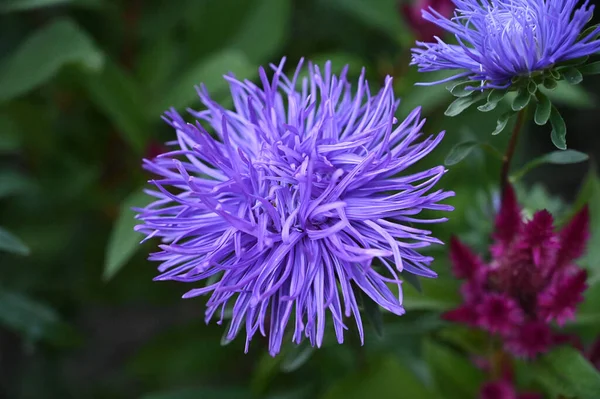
(293, 203)
(501, 40)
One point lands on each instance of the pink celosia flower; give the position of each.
(425, 30)
(530, 282)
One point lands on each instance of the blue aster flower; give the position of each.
(293, 203)
(500, 41)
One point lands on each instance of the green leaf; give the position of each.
(381, 15)
(25, 5)
(373, 313)
(209, 71)
(565, 371)
(439, 294)
(521, 100)
(42, 54)
(556, 157)
(10, 136)
(559, 129)
(455, 375)
(116, 94)
(297, 357)
(12, 183)
(532, 87)
(34, 320)
(543, 109)
(592, 68)
(502, 122)
(413, 280)
(494, 97)
(226, 392)
(571, 95)
(460, 152)
(123, 240)
(550, 84)
(462, 103)
(572, 75)
(586, 32)
(265, 30)
(10, 243)
(458, 89)
(383, 378)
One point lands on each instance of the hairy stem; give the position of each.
(510, 150)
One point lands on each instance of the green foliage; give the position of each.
(565, 371)
(40, 57)
(10, 243)
(124, 241)
(565, 157)
(83, 84)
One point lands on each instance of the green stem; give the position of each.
(510, 150)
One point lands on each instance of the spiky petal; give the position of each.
(282, 204)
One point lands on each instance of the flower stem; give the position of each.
(510, 150)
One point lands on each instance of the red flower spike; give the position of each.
(423, 29)
(538, 235)
(465, 314)
(499, 313)
(508, 220)
(531, 339)
(498, 390)
(573, 238)
(465, 264)
(559, 301)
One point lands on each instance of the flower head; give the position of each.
(501, 40)
(293, 203)
(531, 280)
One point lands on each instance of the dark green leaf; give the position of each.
(521, 100)
(571, 95)
(574, 61)
(592, 68)
(24, 5)
(494, 97)
(462, 103)
(116, 94)
(565, 371)
(10, 243)
(381, 15)
(532, 87)
(586, 32)
(42, 54)
(460, 152)
(455, 375)
(502, 122)
(226, 392)
(572, 75)
(32, 319)
(265, 30)
(10, 136)
(373, 313)
(550, 84)
(438, 294)
(458, 89)
(413, 280)
(543, 109)
(12, 183)
(124, 241)
(381, 379)
(297, 357)
(209, 71)
(559, 130)
(556, 157)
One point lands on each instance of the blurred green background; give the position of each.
(82, 86)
